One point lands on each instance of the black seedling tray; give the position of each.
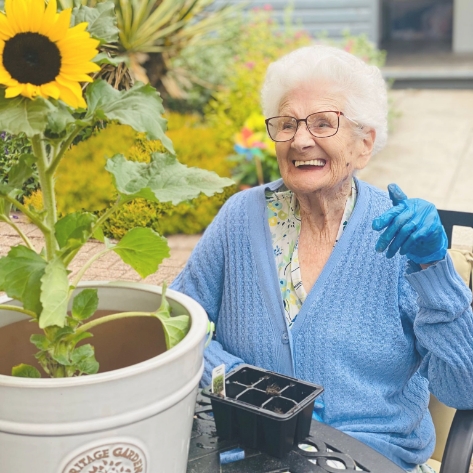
(264, 410)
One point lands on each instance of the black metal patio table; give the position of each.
(330, 443)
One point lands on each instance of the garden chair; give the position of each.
(454, 428)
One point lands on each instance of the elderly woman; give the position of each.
(295, 277)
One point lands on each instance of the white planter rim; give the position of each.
(194, 337)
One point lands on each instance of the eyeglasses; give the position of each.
(320, 125)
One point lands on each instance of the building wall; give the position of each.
(326, 16)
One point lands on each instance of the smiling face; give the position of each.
(308, 164)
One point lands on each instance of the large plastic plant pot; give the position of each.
(264, 410)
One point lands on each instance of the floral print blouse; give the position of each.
(285, 226)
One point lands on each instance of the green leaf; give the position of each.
(104, 58)
(99, 235)
(61, 354)
(164, 179)
(85, 304)
(25, 371)
(164, 308)
(82, 353)
(140, 107)
(40, 341)
(143, 249)
(6, 189)
(21, 171)
(81, 336)
(20, 276)
(59, 118)
(56, 333)
(22, 114)
(54, 294)
(175, 328)
(102, 22)
(88, 366)
(75, 226)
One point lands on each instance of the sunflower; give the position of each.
(41, 56)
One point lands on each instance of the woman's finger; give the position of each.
(394, 227)
(385, 219)
(402, 236)
(396, 194)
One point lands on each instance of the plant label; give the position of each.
(218, 380)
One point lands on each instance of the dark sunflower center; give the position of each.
(31, 58)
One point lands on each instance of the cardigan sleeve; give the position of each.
(203, 279)
(443, 327)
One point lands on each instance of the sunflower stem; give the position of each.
(62, 149)
(46, 181)
(108, 318)
(86, 266)
(24, 210)
(27, 241)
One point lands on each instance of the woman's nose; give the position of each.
(302, 138)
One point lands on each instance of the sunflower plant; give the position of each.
(48, 95)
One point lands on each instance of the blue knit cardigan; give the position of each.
(376, 333)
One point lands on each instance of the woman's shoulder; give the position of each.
(373, 197)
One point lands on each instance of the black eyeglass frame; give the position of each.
(298, 120)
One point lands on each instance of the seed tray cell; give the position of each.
(264, 410)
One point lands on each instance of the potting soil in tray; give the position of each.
(264, 410)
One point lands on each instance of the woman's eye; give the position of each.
(321, 124)
(288, 126)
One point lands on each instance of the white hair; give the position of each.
(361, 85)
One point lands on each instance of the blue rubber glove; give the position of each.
(413, 228)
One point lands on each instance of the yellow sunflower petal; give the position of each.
(76, 77)
(5, 77)
(79, 28)
(84, 68)
(60, 27)
(67, 96)
(19, 15)
(74, 88)
(30, 90)
(35, 12)
(50, 90)
(11, 17)
(49, 16)
(6, 28)
(14, 91)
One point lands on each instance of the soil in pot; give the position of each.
(118, 344)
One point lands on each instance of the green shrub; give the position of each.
(91, 190)
(12, 147)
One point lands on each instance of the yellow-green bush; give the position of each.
(262, 41)
(85, 184)
(89, 187)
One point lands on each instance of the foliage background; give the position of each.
(220, 92)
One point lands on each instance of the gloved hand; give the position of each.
(412, 226)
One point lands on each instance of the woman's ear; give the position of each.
(367, 144)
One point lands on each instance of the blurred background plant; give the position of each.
(93, 191)
(153, 33)
(14, 148)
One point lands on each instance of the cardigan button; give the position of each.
(285, 337)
